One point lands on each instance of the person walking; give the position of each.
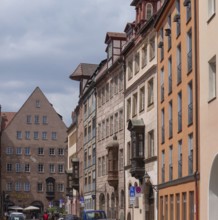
(45, 216)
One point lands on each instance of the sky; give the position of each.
(43, 41)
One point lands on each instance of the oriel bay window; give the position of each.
(137, 129)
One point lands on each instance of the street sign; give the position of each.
(132, 200)
(132, 191)
(138, 191)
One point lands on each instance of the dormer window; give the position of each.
(37, 104)
(149, 10)
(110, 49)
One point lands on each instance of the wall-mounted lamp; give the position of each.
(147, 180)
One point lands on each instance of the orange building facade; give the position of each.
(178, 169)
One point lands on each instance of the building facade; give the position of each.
(140, 112)
(110, 129)
(208, 106)
(85, 113)
(178, 165)
(34, 155)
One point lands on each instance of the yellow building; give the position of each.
(178, 166)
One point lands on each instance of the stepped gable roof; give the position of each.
(83, 71)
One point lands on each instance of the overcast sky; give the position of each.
(43, 41)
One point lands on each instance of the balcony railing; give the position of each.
(179, 73)
(189, 61)
(190, 113)
(179, 121)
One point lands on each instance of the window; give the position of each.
(27, 150)
(128, 114)
(26, 187)
(150, 92)
(9, 186)
(40, 168)
(9, 150)
(9, 167)
(161, 208)
(103, 96)
(111, 88)
(116, 122)
(170, 75)
(93, 127)
(170, 119)
(36, 119)
(177, 18)
(152, 48)
(166, 207)
(128, 153)
(27, 133)
(36, 135)
(44, 135)
(162, 126)
(121, 160)
(188, 10)
(151, 144)
(18, 186)
(39, 187)
(134, 104)
(190, 104)
(184, 206)
(111, 125)
(103, 166)
(51, 151)
(191, 205)
(162, 85)
(28, 119)
(19, 135)
(37, 103)
(190, 154)
(161, 44)
(54, 135)
(211, 8)
(27, 167)
(107, 127)
(93, 155)
(129, 69)
(189, 51)
(137, 60)
(40, 151)
(179, 158)
(18, 167)
(60, 168)
(107, 92)
(171, 163)
(103, 131)
(116, 84)
(60, 187)
(177, 206)
(121, 81)
(52, 168)
(212, 78)
(121, 119)
(99, 131)
(18, 150)
(60, 151)
(178, 60)
(163, 167)
(99, 167)
(142, 99)
(44, 119)
(171, 207)
(168, 32)
(149, 11)
(144, 56)
(179, 111)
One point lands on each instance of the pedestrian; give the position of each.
(45, 216)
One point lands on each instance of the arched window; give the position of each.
(122, 199)
(149, 10)
(102, 202)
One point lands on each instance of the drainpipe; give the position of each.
(196, 17)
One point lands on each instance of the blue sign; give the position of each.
(81, 199)
(132, 191)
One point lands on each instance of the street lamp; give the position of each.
(147, 180)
